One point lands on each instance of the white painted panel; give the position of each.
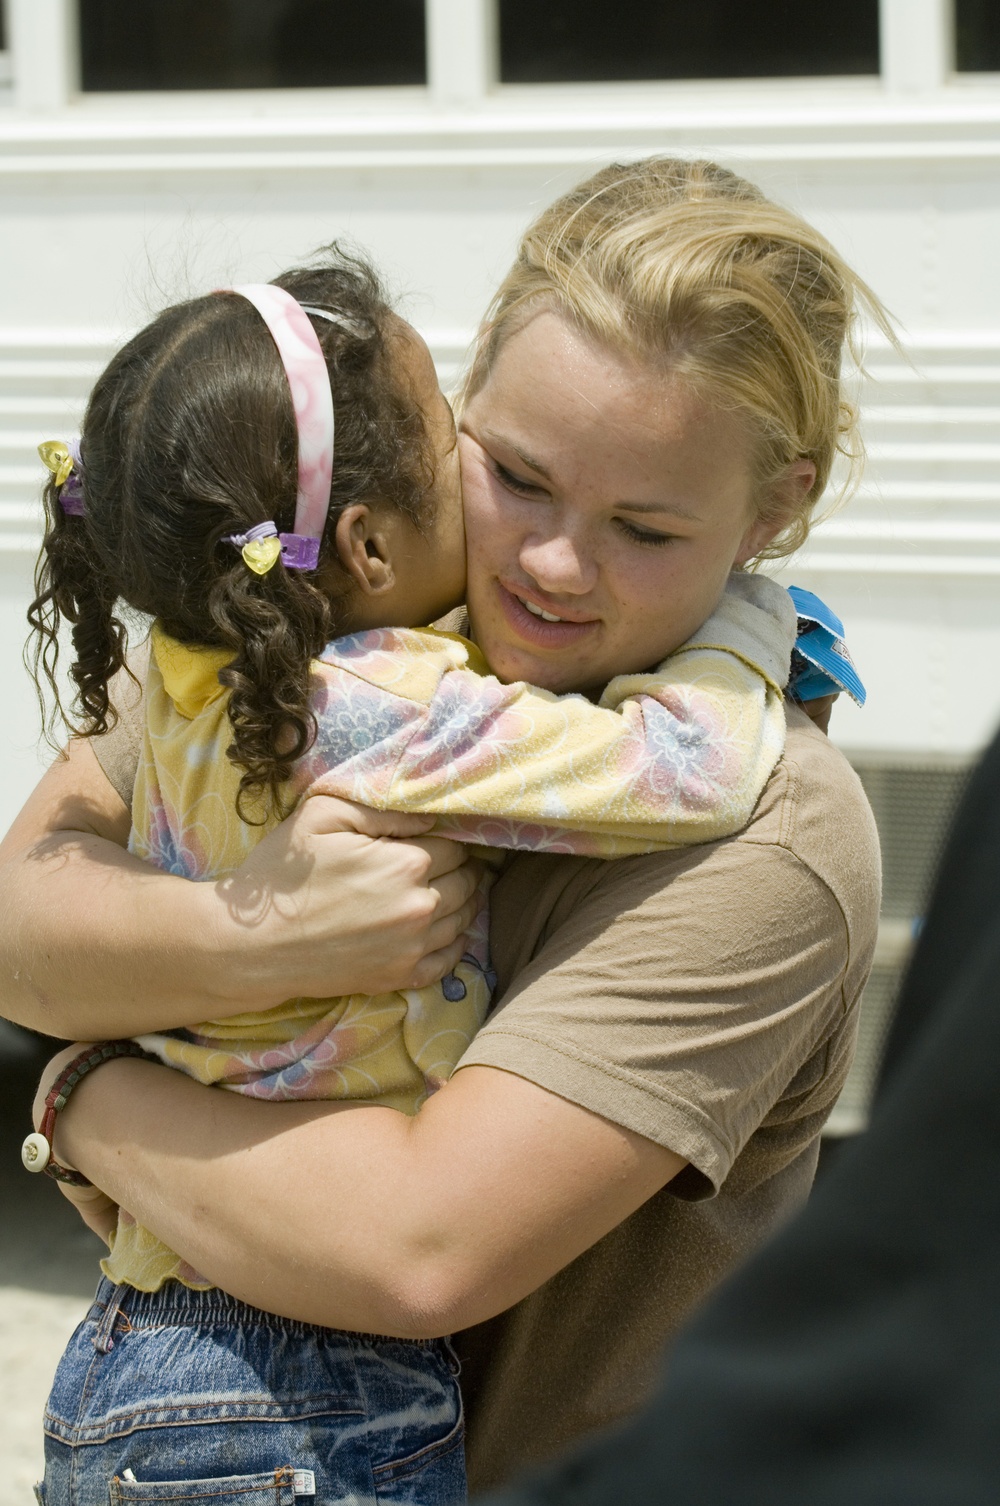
(43, 47)
(22, 755)
(926, 647)
(108, 211)
(917, 44)
(461, 49)
(441, 242)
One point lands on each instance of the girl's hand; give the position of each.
(818, 711)
(98, 1211)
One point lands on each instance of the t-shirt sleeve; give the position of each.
(118, 751)
(678, 995)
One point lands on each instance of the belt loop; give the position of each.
(104, 1337)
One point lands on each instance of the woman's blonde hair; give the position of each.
(687, 265)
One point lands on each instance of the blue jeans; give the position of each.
(180, 1395)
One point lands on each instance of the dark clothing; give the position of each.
(856, 1359)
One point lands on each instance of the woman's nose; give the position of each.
(560, 565)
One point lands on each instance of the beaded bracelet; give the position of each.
(36, 1152)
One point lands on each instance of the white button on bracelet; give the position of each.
(36, 1151)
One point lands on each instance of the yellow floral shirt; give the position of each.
(412, 720)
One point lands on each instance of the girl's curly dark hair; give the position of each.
(189, 436)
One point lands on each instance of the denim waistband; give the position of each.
(177, 1304)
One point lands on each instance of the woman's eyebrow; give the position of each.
(522, 455)
(672, 509)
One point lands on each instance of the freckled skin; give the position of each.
(600, 489)
(627, 533)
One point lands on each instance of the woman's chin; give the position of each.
(511, 662)
(518, 645)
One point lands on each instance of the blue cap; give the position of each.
(821, 664)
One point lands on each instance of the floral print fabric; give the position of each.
(412, 720)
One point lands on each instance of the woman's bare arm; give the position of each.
(95, 942)
(360, 1217)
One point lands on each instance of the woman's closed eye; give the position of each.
(643, 535)
(516, 484)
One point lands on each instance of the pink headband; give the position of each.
(309, 380)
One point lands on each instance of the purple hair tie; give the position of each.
(299, 552)
(71, 498)
(262, 546)
(71, 493)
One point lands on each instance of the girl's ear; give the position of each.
(363, 550)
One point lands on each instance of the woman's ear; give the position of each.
(363, 550)
(787, 495)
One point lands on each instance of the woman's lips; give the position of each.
(535, 630)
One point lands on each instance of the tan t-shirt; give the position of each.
(705, 998)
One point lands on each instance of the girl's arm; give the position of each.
(676, 756)
(95, 942)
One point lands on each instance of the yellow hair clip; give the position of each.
(56, 456)
(260, 547)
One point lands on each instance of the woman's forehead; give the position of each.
(552, 357)
(552, 388)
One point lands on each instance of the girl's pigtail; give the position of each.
(71, 586)
(277, 624)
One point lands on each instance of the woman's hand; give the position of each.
(98, 1211)
(98, 944)
(343, 899)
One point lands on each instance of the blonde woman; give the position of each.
(655, 400)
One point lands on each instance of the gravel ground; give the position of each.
(48, 1271)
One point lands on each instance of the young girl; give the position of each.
(208, 494)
